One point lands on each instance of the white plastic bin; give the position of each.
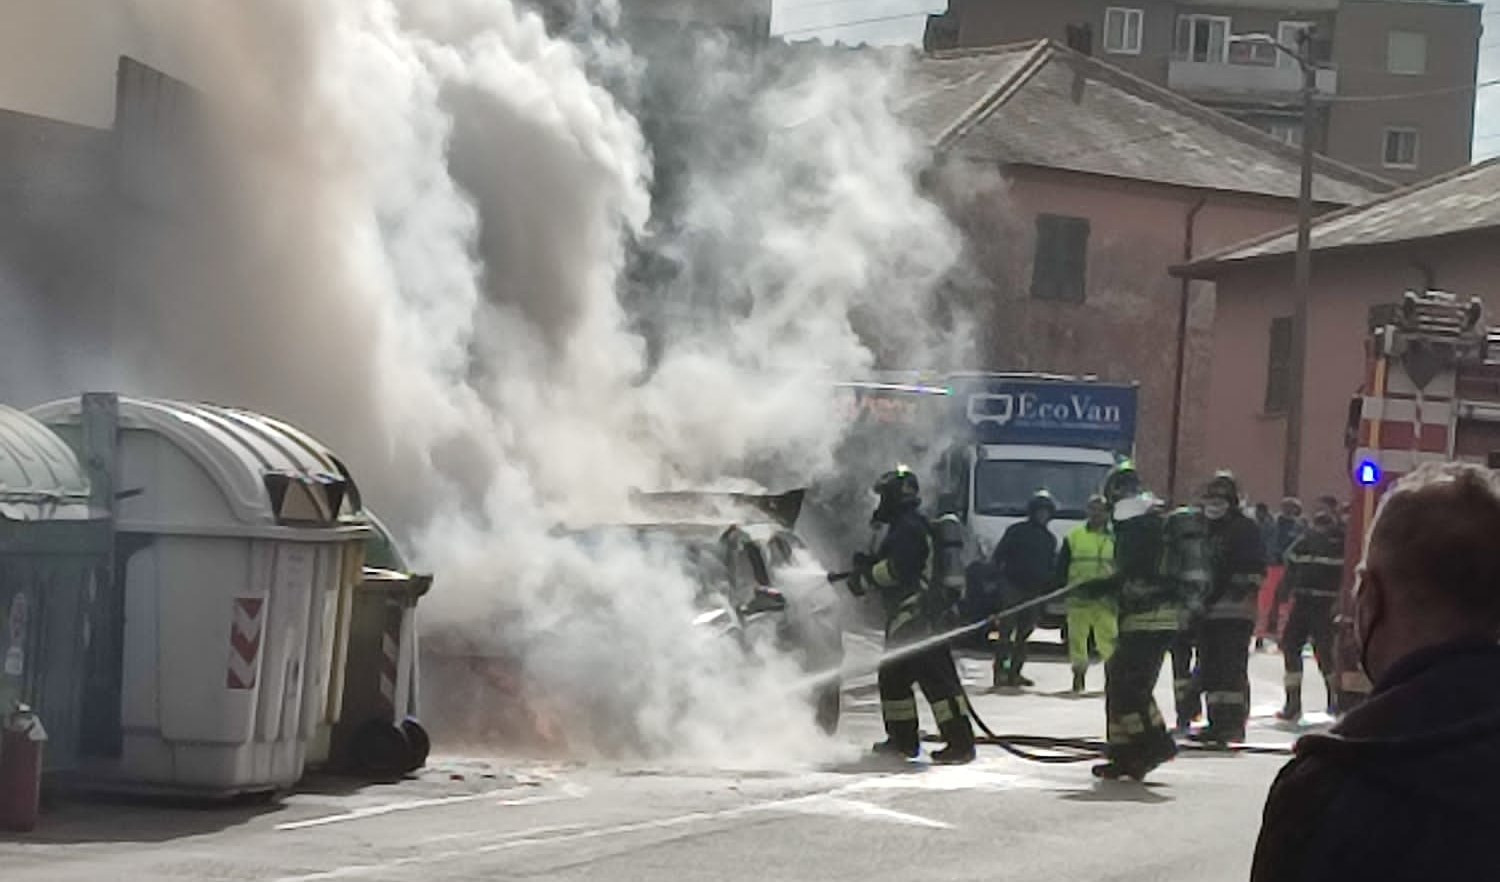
(245, 543)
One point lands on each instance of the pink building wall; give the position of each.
(1239, 433)
(1126, 328)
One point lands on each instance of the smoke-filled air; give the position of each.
(451, 246)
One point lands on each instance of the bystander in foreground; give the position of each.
(1407, 786)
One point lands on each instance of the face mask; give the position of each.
(1215, 509)
(1365, 634)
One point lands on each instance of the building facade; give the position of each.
(1395, 79)
(1441, 236)
(1077, 187)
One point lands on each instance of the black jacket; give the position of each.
(1407, 787)
(903, 557)
(1315, 564)
(1026, 558)
(1236, 564)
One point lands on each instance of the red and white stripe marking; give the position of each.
(390, 654)
(244, 642)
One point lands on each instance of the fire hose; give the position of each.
(1057, 750)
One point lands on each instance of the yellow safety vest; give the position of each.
(1091, 555)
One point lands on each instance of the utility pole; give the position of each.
(1302, 279)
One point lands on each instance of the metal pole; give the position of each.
(1179, 379)
(1302, 281)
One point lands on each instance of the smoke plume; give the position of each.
(511, 277)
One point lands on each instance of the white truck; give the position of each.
(992, 440)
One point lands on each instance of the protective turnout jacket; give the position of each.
(1238, 566)
(900, 572)
(1315, 564)
(1159, 569)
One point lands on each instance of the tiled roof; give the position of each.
(1041, 104)
(1461, 201)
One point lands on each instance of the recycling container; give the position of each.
(238, 538)
(53, 548)
(378, 732)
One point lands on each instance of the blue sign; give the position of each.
(1059, 413)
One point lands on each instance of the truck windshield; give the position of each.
(1003, 487)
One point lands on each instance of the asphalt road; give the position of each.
(507, 818)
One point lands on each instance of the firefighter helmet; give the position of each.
(1039, 500)
(1224, 485)
(1123, 481)
(898, 489)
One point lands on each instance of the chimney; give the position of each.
(1080, 38)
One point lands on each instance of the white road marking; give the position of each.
(569, 792)
(524, 839)
(838, 807)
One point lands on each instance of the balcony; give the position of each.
(1250, 79)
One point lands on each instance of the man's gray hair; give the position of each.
(1438, 532)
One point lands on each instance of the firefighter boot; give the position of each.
(902, 739)
(1078, 678)
(959, 733)
(1292, 711)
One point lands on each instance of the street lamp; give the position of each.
(1302, 278)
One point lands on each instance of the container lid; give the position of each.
(268, 471)
(40, 478)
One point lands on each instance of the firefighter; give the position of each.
(899, 571)
(1315, 568)
(1084, 565)
(1237, 565)
(1026, 559)
(1159, 572)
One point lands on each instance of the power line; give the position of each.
(853, 23)
(1355, 99)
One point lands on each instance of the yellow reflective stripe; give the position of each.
(1226, 698)
(1327, 561)
(1293, 679)
(1156, 620)
(942, 712)
(1133, 724)
(1245, 579)
(1154, 713)
(882, 575)
(900, 710)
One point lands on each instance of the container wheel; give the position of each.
(381, 748)
(419, 745)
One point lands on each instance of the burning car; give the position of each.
(758, 584)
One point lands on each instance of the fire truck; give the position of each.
(1431, 393)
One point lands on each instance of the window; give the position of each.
(1400, 148)
(1289, 34)
(1002, 487)
(1279, 366)
(1060, 266)
(1257, 53)
(1406, 53)
(1286, 132)
(1203, 38)
(1122, 30)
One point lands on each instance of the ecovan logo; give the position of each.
(1074, 410)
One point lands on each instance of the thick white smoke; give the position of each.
(427, 227)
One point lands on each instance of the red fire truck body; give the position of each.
(1431, 394)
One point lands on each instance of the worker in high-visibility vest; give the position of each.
(1084, 565)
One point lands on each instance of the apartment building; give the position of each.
(1395, 79)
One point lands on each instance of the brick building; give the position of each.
(1217, 52)
(1439, 235)
(1079, 186)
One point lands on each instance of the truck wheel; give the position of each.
(380, 748)
(830, 705)
(419, 745)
